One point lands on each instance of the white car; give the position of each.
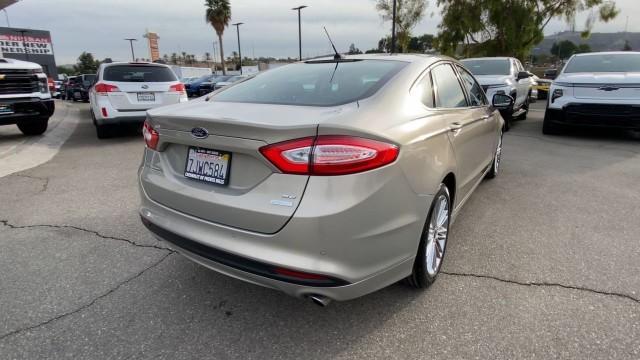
(595, 90)
(504, 75)
(124, 91)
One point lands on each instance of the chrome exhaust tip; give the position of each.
(320, 300)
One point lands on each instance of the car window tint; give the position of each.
(602, 63)
(139, 73)
(314, 83)
(423, 91)
(449, 94)
(476, 95)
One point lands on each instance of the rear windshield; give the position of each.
(139, 73)
(90, 77)
(604, 63)
(488, 67)
(314, 83)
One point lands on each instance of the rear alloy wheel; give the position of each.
(433, 242)
(34, 126)
(495, 166)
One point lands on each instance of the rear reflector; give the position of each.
(299, 274)
(104, 112)
(151, 136)
(329, 155)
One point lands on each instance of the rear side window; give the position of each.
(424, 91)
(449, 94)
(476, 95)
(138, 73)
(321, 83)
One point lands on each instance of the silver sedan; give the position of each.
(326, 179)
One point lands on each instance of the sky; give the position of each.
(270, 29)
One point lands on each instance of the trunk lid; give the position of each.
(257, 197)
(140, 96)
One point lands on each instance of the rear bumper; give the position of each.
(26, 108)
(596, 115)
(363, 248)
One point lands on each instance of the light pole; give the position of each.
(237, 25)
(393, 29)
(215, 56)
(299, 29)
(6, 15)
(131, 40)
(24, 45)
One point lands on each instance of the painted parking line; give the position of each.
(21, 153)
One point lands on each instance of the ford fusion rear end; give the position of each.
(271, 181)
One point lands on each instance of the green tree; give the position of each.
(509, 27)
(174, 58)
(86, 64)
(564, 49)
(353, 50)
(408, 15)
(627, 46)
(421, 44)
(583, 48)
(218, 15)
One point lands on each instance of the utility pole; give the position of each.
(299, 30)
(393, 29)
(237, 25)
(131, 40)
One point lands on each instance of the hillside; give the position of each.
(597, 41)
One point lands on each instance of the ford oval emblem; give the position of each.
(199, 133)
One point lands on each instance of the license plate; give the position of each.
(208, 165)
(6, 109)
(145, 97)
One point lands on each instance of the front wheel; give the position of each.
(34, 126)
(433, 242)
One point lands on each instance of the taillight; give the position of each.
(329, 155)
(151, 136)
(103, 89)
(179, 87)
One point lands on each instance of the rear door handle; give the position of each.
(455, 126)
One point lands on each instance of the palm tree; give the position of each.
(174, 58)
(218, 14)
(184, 58)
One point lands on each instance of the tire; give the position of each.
(425, 272)
(549, 127)
(497, 157)
(507, 115)
(104, 131)
(34, 126)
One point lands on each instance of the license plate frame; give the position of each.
(207, 172)
(146, 97)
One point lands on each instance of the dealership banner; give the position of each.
(29, 44)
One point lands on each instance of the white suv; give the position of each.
(595, 90)
(123, 93)
(504, 75)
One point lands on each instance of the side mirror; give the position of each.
(523, 75)
(502, 101)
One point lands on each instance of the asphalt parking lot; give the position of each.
(543, 263)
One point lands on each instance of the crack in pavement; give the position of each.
(93, 232)
(89, 304)
(45, 180)
(544, 284)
